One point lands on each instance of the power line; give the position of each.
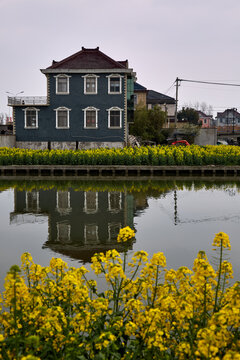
(169, 88)
(208, 82)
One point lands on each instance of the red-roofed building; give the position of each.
(89, 103)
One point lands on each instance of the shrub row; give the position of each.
(155, 155)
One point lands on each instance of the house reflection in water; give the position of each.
(80, 223)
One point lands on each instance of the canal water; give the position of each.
(73, 220)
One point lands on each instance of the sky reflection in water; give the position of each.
(71, 224)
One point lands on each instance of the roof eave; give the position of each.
(89, 71)
(161, 101)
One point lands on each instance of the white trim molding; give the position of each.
(90, 108)
(115, 108)
(62, 230)
(87, 202)
(91, 233)
(88, 71)
(62, 108)
(25, 117)
(109, 84)
(90, 76)
(114, 201)
(113, 230)
(62, 76)
(32, 201)
(63, 202)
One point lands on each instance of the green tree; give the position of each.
(190, 132)
(188, 114)
(148, 124)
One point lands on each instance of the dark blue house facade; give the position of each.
(89, 103)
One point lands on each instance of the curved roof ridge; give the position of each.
(78, 57)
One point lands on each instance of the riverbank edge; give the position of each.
(116, 171)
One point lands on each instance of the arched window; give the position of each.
(62, 117)
(90, 84)
(30, 118)
(62, 84)
(114, 84)
(114, 117)
(90, 117)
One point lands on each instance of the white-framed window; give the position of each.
(63, 232)
(31, 118)
(114, 117)
(113, 230)
(62, 117)
(91, 233)
(90, 117)
(32, 201)
(90, 84)
(63, 202)
(62, 84)
(114, 84)
(114, 201)
(90, 202)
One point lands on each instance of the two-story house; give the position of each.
(151, 98)
(88, 104)
(205, 120)
(228, 121)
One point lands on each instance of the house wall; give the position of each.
(76, 101)
(141, 98)
(170, 108)
(106, 220)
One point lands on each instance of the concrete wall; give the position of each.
(206, 137)
(96, 145)
(37, 145)
(7, 141)
(66, 145)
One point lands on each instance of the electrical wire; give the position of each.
(207, 82)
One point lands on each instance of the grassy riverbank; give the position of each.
(146, 311)
(155, 155)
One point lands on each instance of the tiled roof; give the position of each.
(226, 113)
(89, 59)
(154, 97)
(138, 87)
(202, 114)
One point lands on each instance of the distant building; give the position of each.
(206, 120)
(140, 95)
(151, 98)
(228, 121)
(88, 104)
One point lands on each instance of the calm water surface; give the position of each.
(73, 220)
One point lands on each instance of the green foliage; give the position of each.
(190, 132)
(145, 155)
(148, 124)
(188, 114)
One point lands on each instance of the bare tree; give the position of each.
(203, 106)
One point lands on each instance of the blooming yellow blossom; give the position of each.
(125, 234)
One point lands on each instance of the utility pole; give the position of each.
(176, 108)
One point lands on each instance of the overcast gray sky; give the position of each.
(162, 39)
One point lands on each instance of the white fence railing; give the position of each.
(27, 100)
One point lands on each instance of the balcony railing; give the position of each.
(27, 100)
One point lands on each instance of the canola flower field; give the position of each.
(148, 155)
(146, 311)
